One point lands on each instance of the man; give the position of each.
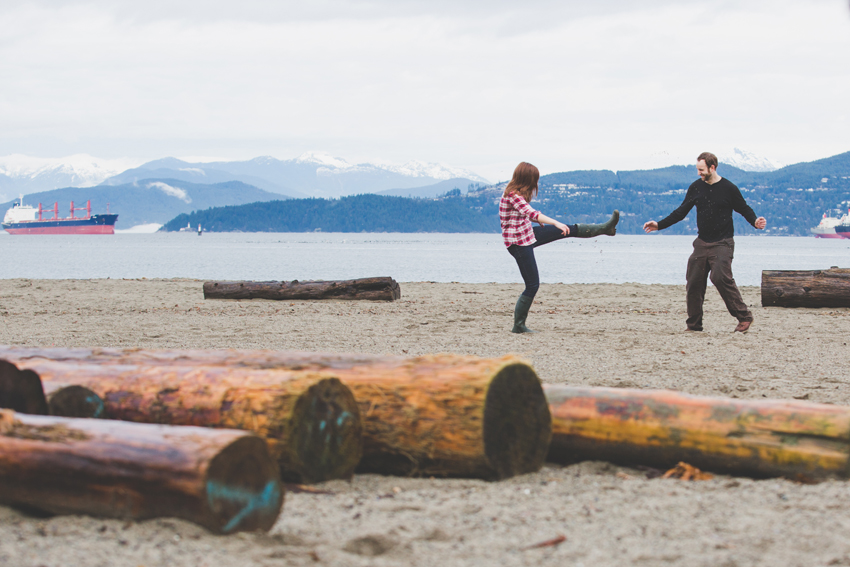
(715, 198)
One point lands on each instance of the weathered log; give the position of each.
(64, 400)
(440, 415)
(451, 415)
(20, 390)
(759, 438)
(375, 289)
(224, 480)
(310, 419)
(806, 288)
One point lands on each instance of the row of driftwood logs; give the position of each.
(779, 288)
(323, 415)
(441, 415)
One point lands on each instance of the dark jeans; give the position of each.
(714, 257)
(524, 255)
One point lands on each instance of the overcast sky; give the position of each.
(480, 85)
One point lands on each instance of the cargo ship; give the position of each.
(826, 227)
(26, 219)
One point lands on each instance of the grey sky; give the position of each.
(481, 85)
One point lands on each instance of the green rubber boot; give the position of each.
(521, 313)
(590, 230)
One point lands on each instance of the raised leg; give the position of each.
(608, 228)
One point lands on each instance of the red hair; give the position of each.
(524, 181)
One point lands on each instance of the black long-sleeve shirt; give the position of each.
(714, 204)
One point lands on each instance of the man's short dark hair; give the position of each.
(709, 159)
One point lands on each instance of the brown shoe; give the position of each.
(743, 326)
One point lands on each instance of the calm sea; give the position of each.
(468, 258)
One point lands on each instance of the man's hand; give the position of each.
(761, 223)
(651, 226)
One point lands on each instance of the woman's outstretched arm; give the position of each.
(543, 219)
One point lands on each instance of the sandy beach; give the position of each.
(626, 335)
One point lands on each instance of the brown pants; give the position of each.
(716, 258)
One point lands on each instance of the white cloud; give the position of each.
(170, 191)
(477, 85)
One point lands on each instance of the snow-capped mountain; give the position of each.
(311, 174)
(27, 174)
(308, 175)
(413, 168)
(749, 161)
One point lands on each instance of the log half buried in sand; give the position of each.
(224, 480)
(443, 415)
(375, 289)
(310, 420)
(805, 288)
(758, 438)
(64, 400)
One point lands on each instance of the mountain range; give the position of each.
(309, 175)
(156, 192)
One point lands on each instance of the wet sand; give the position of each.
(625, 335)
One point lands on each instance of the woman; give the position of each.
(521, 238)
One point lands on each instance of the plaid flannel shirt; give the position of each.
(516, 215)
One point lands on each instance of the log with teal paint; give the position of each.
(222, 479)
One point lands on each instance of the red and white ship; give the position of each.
(26, 219)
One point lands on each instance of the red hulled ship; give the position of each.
(26, 219)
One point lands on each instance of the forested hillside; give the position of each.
(361, 213)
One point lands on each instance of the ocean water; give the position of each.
(467, 258)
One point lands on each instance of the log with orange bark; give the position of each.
(224, 480)
(310, 419)
(660, 428)
(443, 415)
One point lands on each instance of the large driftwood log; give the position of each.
(310, 419)
(660, 428)
(806, 288)
(433, 415)
(375, 289)
(224, 480)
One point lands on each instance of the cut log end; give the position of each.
(74, 401)
(21, 390)
(326, 439)
(517, 422)
(242, 488)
